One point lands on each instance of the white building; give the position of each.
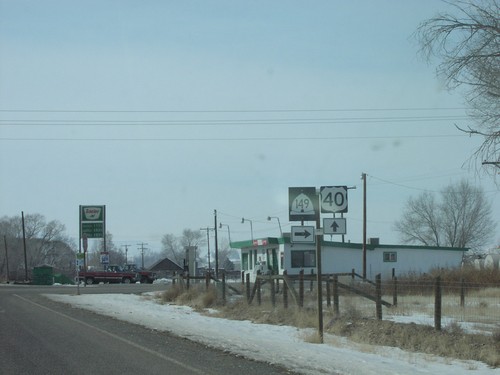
(274, 255)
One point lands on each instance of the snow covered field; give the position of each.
(283, 345)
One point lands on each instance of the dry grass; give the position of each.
(452, 342)
(198, 297)
(359, 326)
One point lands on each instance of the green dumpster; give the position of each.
(43, 275)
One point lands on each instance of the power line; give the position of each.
(232, 110)
(232, 139)
(234, 122)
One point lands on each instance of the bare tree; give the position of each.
(191, 238)
(466, 216)
(46, 242)
(420, 222)
(461, 219)
(468, 45)
(174, 247)
(171, 248)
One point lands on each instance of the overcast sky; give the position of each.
(165, 111)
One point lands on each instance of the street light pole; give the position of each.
(228, 231)
(277, 218)
(251, 225)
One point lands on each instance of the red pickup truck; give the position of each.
(144, 276)
(112, 274)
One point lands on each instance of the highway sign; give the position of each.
(92, 222)
(303, 204)
(333, 199)
(334, 226)
(303, 234)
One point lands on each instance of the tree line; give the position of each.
(46, 243)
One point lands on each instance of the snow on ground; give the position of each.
(282, 345)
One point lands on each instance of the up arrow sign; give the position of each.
(303, 234)
(334, 226)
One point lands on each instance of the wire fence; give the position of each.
(474, 307)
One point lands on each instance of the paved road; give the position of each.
(40, 336)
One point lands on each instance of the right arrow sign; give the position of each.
(334, 226)
(303, 234)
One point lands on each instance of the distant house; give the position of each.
(274, 255)
(166, 268)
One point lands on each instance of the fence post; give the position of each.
(173, 279)
(378, 291)
(285, 291)
(311, 283)
(394, 291)
(301, 288)
(187, 282)
(207, 280)
(257, 282)
(328, 292)
(336, 308)
(248, 287)
(353, 274)
(273, 293)
(437, 304)
(462, 292)
(224, 287)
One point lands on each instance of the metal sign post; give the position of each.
(319, 281)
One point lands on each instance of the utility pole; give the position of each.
(216, 247)
(142, 244)
(24, 246)
(208, 245)
(363, 177)
(6, 257)
(126, 252)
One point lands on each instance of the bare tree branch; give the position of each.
(468, 45)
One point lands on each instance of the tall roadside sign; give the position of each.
(92, 224)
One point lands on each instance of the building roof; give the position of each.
(165, 264)
(266, 242)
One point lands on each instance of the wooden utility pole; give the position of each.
(363, 177)
(6, 257)
(142, 244)
(126, 253)
(216, 247)
(24, 246)
(208, 245)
